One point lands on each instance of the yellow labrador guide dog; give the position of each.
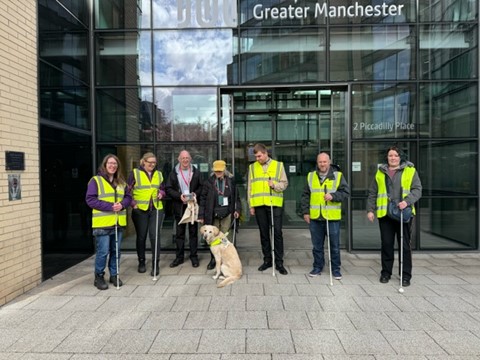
(228, 266)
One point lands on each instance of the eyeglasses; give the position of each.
(112, 163)
(151, 162)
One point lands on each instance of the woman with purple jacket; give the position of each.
(108, 197)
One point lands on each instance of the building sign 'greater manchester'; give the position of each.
(322, 10)
(223, 13)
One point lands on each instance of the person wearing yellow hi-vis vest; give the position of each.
(148, 190)
(396, 180)
(322, 199)
(267, 181)
(109, 197)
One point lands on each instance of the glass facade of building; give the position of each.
(216, 76)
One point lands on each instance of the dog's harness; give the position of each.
(220, 240)
(216, 242)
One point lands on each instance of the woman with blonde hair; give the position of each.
(147, 187)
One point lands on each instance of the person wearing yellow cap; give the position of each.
(219, 201)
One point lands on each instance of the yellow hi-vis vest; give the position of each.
(382, 195)
(144, 190)
(330, 210)
(260, 192)
(104, 219)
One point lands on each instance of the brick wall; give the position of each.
(20, 243)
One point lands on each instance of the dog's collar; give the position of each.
(216, 242)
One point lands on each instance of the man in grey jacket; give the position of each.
(396, 180)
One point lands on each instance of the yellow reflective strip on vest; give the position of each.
(146, 190)
(102, 219)
(407, 179)
(382, 196)
(330, 210)
(260, 192)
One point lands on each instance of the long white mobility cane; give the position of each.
(328, 241)
(400, 290)
(156, 242)
(234, 230)
(116, 244)
(273, 230)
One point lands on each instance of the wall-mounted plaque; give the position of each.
(14, 160)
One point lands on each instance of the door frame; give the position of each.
(345, 87)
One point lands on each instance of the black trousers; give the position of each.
(181, 229)
(388, 229)
(145, 223)
(263, 216)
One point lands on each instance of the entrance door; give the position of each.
(295, 125)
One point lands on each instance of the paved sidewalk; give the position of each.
(183, 315)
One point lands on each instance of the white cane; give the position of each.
(116, 244)
(234, 229)
(155, 252)
(328, 242)
(400, 290)
(273, 230)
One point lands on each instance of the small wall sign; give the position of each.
(14, 187)
(14, 160)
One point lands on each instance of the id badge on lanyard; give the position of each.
(222, 200)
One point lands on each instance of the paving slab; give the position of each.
(183, 315)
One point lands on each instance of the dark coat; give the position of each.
(174, 191)
(209, 197)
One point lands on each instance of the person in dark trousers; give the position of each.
(220, 202)
(322, 199)
(184, 183)
(108, 196)
(397, 180)
(147, 189)
(267, 181)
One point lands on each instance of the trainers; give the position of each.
(337, 276)
(314, 272)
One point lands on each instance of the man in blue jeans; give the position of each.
(321, 201)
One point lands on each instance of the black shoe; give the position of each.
(99, 282)
(176, 262)
(113, 280)
(264, 266)
(141, 266)
(157, 272)
(211, 264)
(384, 279)
(281, 269)
(405, 282)
(195, 262)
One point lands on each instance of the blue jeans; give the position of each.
(106, 248)
(318, 232)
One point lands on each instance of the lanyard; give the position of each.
(189, 176)
(217, 187)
